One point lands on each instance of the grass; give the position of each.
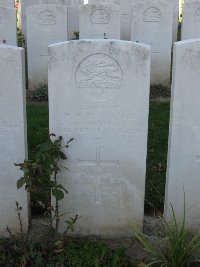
(37, 125)
(173, 245)
(68, 253)
(37, 117)
(157, 155)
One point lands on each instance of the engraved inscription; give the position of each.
(197, 15)
(99, 77)
(1, 15)
(46, 18)
(99, 165)
(56, 2)
(152, 14)
(102, 121)
(100, 16)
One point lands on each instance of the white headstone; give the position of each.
(98, 94)
(8, 26)
(99, 21)
(73, 13)
(184, 142)
(152, 25)
(46, 24)
(191, 20)
(7, 3)
(125, 17)
(12, 136)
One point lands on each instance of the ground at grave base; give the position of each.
(45, 249)
(132, 247)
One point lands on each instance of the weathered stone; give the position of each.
(152, 25)
(100, 21)
(184, 141)
(46, 24)
(100, 1)
(99, 94)
(8, 26)
(191, 20)
(7, 3)
(12, 136)
(73, 13)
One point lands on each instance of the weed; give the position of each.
(41, 92)
(177, 248)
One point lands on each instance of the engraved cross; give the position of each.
(98, 163)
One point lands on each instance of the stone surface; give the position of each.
(100, 21)
(125, 16)
(100, 98)
(184, 142)
(12, 136)
(100, 1)
(7, 3)
(8, 26)
(50, 26)
(152, 25)
(191, 20)
(73, 13)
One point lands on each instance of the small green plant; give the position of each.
(115, 258)
(41, 92)
(177, 248)
(76, 34)
(21, 40)
(40, 177)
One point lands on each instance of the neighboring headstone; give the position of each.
(152, 25)
(8, 26)
(73, 13)
(125, 19)
(184, 141)
(12, 136)
(100, 21)
(7, 3)
(191, 20)
(99, 94)
(73, 17)
(46, 24)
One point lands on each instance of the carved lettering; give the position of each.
(100, 16)
(46, 18)
(99, 76)
(152, 14)
(197, 15)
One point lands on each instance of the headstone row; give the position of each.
(99, 94)
(151, 25)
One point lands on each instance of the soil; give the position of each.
(132, 246)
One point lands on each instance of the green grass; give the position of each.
(37, 116)
(37, 125)
(157, 154)
(51, 252)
